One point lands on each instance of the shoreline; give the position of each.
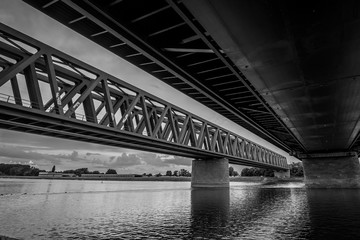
(266, 180)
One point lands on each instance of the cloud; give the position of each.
(153, 160)
(178, 161)
(92, 154)
(74, 156)
(125, 160)
(19, 153)
(40, 142)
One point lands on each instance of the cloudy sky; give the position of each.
(45, 152)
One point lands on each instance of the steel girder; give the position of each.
(70, 99)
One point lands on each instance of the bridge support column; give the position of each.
(210, 173)
(282, 173)
(337, 170)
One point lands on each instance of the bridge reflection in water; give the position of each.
(249, 211)
(129, 210)
(210, 212)
(334, 213)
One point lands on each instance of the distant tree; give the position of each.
(111, 171)
(149, 175)
(176, 173)
(158, 175)
(244, 172)
(144, 174)
(168, 173)
(31, 172)
(231, 171)
(268, 173)
(18, 170)
(80, 171)
(96, 172)
(53, 169)
(184, 173)
(257, 172)
(296, 169)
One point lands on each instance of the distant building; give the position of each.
(101, 175)
(55, 174)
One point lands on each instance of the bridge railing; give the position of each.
(37, 76)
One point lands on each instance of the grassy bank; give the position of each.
(265, 179)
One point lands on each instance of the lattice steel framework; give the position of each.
(48, 92)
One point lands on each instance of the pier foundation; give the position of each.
(337, 170)
(210, 173)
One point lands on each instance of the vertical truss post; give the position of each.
(174, 129)
(192, 133)
(146, 116)
(123, 106)
(108, 103)
(16, 90)
(33, 87)
(53, 84)
(89, 109)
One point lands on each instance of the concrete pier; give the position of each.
(336, 171)
(210, 173)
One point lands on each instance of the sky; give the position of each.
(44, 152)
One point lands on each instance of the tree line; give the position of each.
(176, 173)
(19, 170)
(296, 170)
(80, 171)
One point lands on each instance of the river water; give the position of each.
(70, 209)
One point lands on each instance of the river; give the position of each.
(71, 209)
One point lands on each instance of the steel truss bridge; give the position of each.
(54, 94)
(285, 70)
(164, 39)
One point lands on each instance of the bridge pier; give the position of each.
(282, 173)
(210, 173)
(336, 170)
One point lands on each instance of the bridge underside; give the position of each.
(302, 57)
(288, 71)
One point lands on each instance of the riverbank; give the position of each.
(162, 178)
(265, 179)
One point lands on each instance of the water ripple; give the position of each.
(171, 210)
